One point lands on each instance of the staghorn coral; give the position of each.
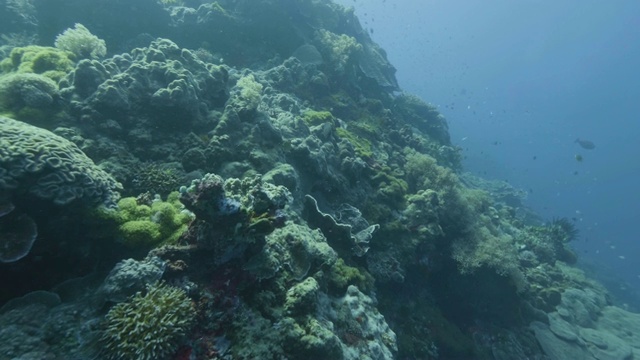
(148, 326)
(45, 165)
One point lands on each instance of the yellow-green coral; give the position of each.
(48, 61)
(140, 233)
(148, 326)
(423, 172)
(250, 92)
(391, 189)
(339, 49)
(314, 118)
(361, 145)
(342, 275)
(29, 97)
(145, 226)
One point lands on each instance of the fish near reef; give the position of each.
(585, 144)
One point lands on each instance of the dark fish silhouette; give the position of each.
(586, 144)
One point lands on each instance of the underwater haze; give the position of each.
(519, 82)
(308, 179)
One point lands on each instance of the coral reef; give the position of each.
(37, 162)
(144, 226)
(81, 42)
(28, 97)
(148, 326)
(585, 326)
(47, 61)
(350, 236)
(283, 199)
(130, 276)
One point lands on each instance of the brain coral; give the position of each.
(40, 163)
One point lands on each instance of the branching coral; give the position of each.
(148, 326)
(81, 42)
(339, 49)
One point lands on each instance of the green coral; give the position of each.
(361, 145)
(140, 225)
(302, 297)
(148, 326)
(315, 118)
(309, 338)
(140, 233)
(340, 49)
(28, 97)
(48, 61)
(391, 189)
(342, 275)
(250, 92)
(423, 172)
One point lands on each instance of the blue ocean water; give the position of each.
(519, 82)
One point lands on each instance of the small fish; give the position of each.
(579, 158)
(585, 144)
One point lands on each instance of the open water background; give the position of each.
(518, 83)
